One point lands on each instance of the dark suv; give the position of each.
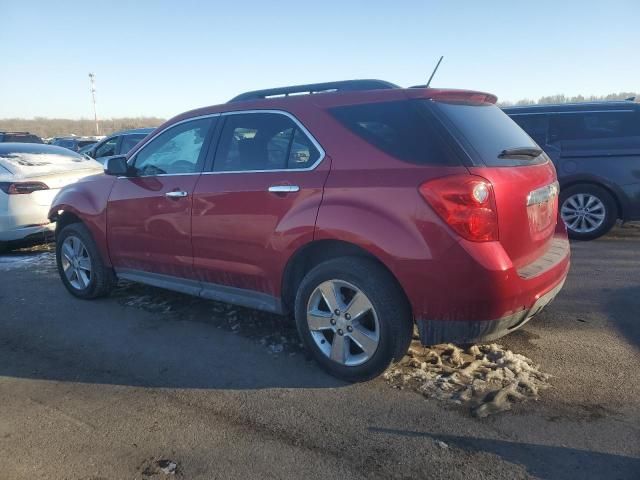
(19, 137)
(118, 143)
(596, 150)
(360, 207)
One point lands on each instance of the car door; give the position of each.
(149, 211)
(257, 203)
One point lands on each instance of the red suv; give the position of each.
(360, 207)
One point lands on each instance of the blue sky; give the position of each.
(159, 58)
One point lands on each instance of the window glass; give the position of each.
(588, 126)
(130, 141)
(488, 130)
(303, 153)
(403, 129)
(176, 150)
(535, 125)
(107, 149)
(263, 141)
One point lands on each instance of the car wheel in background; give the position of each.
(588, 211)
(353, 317)
(80, 266)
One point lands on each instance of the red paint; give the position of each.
(148, 231)
(232, 231)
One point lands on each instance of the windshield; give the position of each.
(489, 132)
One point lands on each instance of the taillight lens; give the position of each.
(467, 203)
(22, 188)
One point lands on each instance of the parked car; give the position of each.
(21, 137)
(118, 143)
(596, 150)
(361, 209)
(74, 143)
(30, 176)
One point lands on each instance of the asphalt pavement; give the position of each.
(146, 380)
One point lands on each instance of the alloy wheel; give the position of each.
(583, 212)
(343, 322)
(76, 262)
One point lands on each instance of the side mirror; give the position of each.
(116, 166)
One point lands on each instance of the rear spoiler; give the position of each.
(449, 95)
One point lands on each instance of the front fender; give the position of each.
(87, 200)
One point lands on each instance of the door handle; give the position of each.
(176, 194)
(284, 188)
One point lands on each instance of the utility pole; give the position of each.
(92, 82)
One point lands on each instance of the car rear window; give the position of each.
(487, 131)
(403, 129)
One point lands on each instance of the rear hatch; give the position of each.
(523, 177)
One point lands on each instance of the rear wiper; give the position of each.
(529, 152)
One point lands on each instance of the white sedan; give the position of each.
(30, 177)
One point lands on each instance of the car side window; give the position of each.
(594, 125)
(108, 148)
(130, 141)
(535, 125)
(263, 141)
(177, 150)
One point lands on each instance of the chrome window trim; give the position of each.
(577, 112)
(295, 120)
(298, 123)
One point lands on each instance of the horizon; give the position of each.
(162, 60)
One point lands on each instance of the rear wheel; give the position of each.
(353, 318)
(80, 266)
(588, 211)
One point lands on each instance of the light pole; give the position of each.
(92, 82)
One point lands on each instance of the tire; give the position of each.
(597, 207)
(95, 278)
(387, 323)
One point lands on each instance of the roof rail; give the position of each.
(345, 85)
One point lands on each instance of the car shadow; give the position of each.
(541, 461)
(619, 306)
(146, 337)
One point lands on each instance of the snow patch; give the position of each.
(486, 378)
(36, 262)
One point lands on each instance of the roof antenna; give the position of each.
(434, 72)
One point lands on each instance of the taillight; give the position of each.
(467, 203)
(21, 188)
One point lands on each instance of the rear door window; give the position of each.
(404, 129)
(486, 131)
(262, 142)
(595, 130)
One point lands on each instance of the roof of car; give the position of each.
(294, 97)
(572, 107)
(14, 147)
(132, 131)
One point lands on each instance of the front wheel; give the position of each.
(353, 317)
(588, 211)
(80, 266)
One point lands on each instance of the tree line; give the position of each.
(560, 98)
(59, 127)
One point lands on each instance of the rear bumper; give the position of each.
(28, 234)
(433, 332)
